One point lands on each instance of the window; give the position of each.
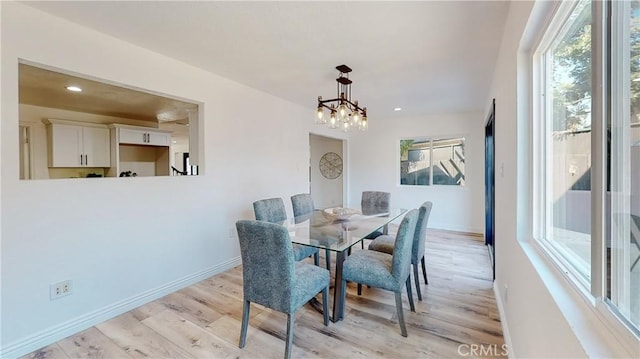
(580, 135)
(566, 140)
(432, 161)
(623, 135)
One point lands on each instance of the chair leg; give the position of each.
(359, 289)
(325, 305)
(327, 255)
(245, 323)
(416, 278)
(316, 259)
(408, 282)
(287, 349)
(424, 271)
(403, 329)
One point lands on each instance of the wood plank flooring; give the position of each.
(203, 320)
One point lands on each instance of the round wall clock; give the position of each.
(331, 165)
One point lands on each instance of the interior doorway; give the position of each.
(489, 184)
(326, 171)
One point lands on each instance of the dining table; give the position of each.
(337, 230)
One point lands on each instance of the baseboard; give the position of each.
(456, 228)
(63, 330)
(503, 320)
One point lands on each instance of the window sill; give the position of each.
(600, 333)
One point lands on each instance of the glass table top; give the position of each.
(321, 229)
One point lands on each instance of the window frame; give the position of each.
(606, 42)
(542, 109)
(431, 140)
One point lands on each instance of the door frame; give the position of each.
(489, 185)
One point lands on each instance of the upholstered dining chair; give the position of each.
(383, 270)
(385, 243)
(276, 280)
(374, 202)
(272, 210)
(302, 204)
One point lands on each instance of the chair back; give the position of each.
(270, 210)
(268, 269)
(402, 249)
(374, 202)
(421, 232)
(302, 204)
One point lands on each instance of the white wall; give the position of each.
(325, 192)
(124, 241)
(374, 158)
(545, 316)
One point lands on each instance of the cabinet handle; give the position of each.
(81, 160)
(86, 160)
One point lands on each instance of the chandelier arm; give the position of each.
(353, 106)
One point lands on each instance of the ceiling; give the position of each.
(426, 57)
(44, 87)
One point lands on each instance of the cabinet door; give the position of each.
(158, 139)
(97, 147)
(135, 137)
(66, 146)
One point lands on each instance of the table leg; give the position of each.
(338, 303)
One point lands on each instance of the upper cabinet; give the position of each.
(74, 144)
(139, 151)
(144, 136)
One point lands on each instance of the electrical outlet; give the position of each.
(61, 289)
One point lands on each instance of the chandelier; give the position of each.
(343, 113)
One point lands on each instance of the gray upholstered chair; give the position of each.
(385, 243)
(272, 210)
(276, 280)
(374, 202)
(383, 270)
(302, 207)
(302, 204)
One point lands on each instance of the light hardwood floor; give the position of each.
(203, 320)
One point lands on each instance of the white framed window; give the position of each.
(586, 151)
(427, 161)
(564, 138)
(623, 176)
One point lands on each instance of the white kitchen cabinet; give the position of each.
(149, 137)
(76, 144)
(144, 151)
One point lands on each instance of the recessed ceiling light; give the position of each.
(74, 88)
(398, 109)
(175, 141)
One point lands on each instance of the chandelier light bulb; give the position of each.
(320, 119)
(345, 126)
(355, 118)
(363, 124)
(333, 120)
(342, 112)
